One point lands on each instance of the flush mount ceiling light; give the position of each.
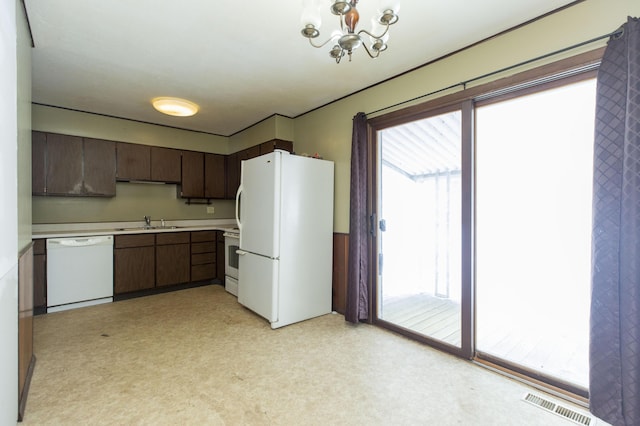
(347, 38)
(175, 106)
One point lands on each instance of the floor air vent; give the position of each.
(559, 410)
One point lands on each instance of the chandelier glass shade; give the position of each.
(347, 39)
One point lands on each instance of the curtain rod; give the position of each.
(617, 33)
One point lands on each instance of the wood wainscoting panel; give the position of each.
(26, 357)
(340, 272)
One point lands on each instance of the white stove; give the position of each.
(231, 244)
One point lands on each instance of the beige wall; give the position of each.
(310, 132)
(24, 130)
(579, 23)
(10, 122)
(132, 202)
(274, 127)
(58, 120)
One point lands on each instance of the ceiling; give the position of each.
(240, 61)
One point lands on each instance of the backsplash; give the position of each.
(132, 202)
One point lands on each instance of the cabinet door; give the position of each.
(274, 144)
(249, 153)
(39, 283)
(192, 175)
(220, 253)
(99, 167)
(172, 264)
(39, 276)
(233, 175)
(214, 176)
(38, 163)
(133, 269)
(284, 145)
(133, 161)
(64, 164)
(165, 164)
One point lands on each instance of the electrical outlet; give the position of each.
(211, 210)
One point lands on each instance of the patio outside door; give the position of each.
(419, 235)
(484, 228)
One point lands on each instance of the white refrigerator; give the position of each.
(284, 210)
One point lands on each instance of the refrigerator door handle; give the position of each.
(241, 252)
(238, 207)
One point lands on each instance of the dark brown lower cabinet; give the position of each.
(203, 255)
(134, 262)
(39, 276)
(172, 258)
(220, 261)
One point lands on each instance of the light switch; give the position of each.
(211, 210)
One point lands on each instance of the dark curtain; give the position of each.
(614, 364)
(357, 289)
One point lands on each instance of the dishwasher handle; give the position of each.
(80, 242)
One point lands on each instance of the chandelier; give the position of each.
(347, 39)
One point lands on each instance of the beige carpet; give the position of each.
(197, 357)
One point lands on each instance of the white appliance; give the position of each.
(79, 272)
(231, 245)
(284, 210)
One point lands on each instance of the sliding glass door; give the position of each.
(534, 173)
(483, 228)
(419, 187)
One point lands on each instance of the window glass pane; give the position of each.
(419, 285)
(533, 230)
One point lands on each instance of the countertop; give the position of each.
(70, 230)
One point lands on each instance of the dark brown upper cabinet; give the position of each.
(165, 164)
(234, 168)
(274, 144)
(234, 162)
(214, 176)
(147, 163)
(133, 161)
(72, 165)
(192, 175)
(38, 163)
(64, 165)
(99, 167)
(233, 176)
(203, 175)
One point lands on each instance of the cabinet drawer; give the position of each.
(203, 272)
(208, 247)
(200, 236)
(202, 258)
(135, 240)
(172, 238)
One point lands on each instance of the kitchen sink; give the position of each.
(147, 228)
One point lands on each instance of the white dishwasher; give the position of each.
(79, 272)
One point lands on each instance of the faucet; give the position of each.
(147, 221)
